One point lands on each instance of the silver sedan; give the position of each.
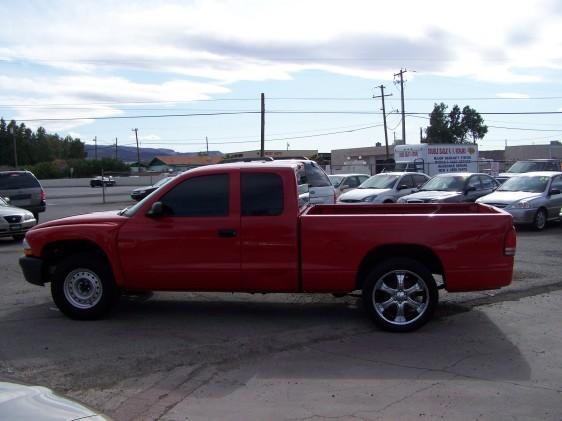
(531, 198)
(14, 222)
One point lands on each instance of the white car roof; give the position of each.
(538, 173)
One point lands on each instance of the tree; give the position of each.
(466, 126)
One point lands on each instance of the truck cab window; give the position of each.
(261, 194)
(207, 195)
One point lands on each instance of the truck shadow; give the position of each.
(236, 339)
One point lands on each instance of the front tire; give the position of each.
(400, 295)
(83, 287)
(539, 222)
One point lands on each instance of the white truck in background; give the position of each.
(433, 159)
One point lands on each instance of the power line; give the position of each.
(288, 112)
(85, 104)
(508, 128)
(267, 140)
(138, 116)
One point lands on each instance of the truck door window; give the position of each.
(207, 195)
(261, 194)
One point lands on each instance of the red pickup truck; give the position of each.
(239, 227)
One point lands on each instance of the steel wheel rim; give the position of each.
(540, 221)
(400, 297)
(83, 288)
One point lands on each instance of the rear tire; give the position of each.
(83, 287)
(400, 295)
(539, 222)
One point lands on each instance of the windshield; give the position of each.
(534, 184)
(380, 181)
(527, 166)
(445, 183)
(335, 180)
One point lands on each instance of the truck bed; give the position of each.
(467, 241)
(403, 209)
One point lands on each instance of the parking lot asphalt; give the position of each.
(172, 356)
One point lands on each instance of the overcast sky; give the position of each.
(318, 62)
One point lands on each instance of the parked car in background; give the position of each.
(98, 182)
(385, 187)
(314, 185)
(141, 192)
(531, 198)
(453, 188)
(530, 165)
(346, 182)
(23, 190)
(14, 222)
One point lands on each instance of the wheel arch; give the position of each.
(422, 254)
(53, 253)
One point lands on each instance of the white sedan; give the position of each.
(14, 222)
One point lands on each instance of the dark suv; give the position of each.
(23, 190)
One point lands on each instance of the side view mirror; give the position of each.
(469, 189)
(402, 187)
(554, 191)
(345, 186)
(157, 209)
(7, 199)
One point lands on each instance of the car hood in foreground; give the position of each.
(508, 197)
(20, 402)
(360, 194)
(434, 195)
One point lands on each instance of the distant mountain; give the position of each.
(129, 153)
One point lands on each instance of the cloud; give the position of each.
(227, 41)
(82, 96)
(93, 54)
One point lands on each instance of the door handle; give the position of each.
(227, 233)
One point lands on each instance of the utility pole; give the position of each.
(96, 148)
(138, 152)
(207, 142)
(13, 129)
(381, 96)
(262, 151)
(116, 149)
(401, 74)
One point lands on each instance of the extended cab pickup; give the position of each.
(239, 227)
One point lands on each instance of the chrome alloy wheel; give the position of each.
(400, 297)
(83, 288)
